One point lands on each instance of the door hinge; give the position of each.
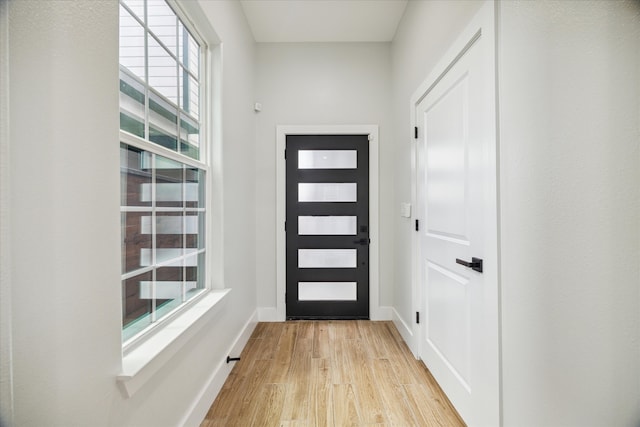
(417, 317)
(415, 132)
(417, 225)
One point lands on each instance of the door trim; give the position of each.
(375, 312)
(481, 25)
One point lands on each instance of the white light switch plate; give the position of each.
(405, 210)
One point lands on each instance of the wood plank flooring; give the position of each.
(329, 373)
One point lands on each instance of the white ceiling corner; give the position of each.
(274, 21)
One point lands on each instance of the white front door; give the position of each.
(456, 195)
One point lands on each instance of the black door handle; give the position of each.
(475, 264)
(362, 241)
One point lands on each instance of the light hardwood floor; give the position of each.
(329, 373)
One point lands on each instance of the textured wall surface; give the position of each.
(6, 385)
(63, 69)
(570, 188)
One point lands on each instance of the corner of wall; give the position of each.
(406, 332)
(197, 412)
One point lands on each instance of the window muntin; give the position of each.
(163, 206)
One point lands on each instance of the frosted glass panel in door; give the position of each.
(328, 192)
(327, 225)
(327, 258)
(327, 159)
(327, 291)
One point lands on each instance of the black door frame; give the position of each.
(349, 309)
(376, 312)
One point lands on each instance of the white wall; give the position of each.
(570, 188)
(425, 33)
(319, 84)
(63, 208)
(5, 226)
(63, 203)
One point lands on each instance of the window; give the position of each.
(163, 206)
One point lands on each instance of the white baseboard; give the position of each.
(195, 415)
(406, 332)
(269, 314)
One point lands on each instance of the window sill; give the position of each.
(143, 362)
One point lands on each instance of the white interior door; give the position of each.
(456, 195)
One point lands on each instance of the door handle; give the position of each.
(362, 241)
(475, 264)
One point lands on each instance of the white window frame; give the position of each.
(204, 146)
(166, 337)
(161, 340)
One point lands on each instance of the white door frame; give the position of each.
(374, 283)
(483, 24)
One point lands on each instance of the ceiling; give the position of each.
(273, 21)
